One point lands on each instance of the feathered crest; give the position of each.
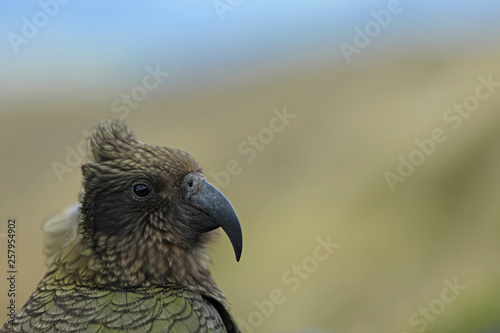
(110, 139)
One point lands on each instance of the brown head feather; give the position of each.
(128, 241)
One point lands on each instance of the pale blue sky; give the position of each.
(103, 42)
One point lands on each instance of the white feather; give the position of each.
(59, 231)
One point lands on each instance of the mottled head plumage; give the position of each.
(155, 239)
(110, 139)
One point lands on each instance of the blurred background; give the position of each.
(372, 126)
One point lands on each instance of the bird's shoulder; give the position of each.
(64, 306)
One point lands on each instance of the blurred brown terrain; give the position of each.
(322, 176)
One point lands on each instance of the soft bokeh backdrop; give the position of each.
(319, 178)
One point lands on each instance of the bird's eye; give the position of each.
(141, 190)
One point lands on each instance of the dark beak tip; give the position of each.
(236, 237)
(238, 254)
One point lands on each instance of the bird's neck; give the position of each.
(154, 264)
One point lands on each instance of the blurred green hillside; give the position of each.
(321, 176)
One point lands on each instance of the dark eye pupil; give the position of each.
(141, 190)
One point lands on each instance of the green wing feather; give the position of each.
(57, 306)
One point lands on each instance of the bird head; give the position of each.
(147, 212)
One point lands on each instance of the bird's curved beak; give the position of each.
(212, 202)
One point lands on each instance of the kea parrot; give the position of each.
(132, 255)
